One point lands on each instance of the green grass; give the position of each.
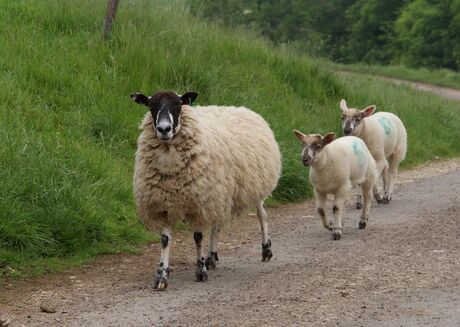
(68, 128)
(441, 77)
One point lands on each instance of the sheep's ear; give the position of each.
(328, 138)
(140, 98)
(300, 136)
(367, 111)
(188, 98)
(343, 105)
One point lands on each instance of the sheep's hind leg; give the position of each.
(392, 176)
(359, 201)
(212, 257)
(161, 278)
(266, 243)
(200, 272)
(367, 194)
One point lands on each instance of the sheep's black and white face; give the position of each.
(165, 107)
(312, 145)
(351, 117)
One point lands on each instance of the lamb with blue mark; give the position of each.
(385, 137)
(335, 167)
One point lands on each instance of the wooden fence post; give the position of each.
(112, 7)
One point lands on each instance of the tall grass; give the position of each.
(68, 128)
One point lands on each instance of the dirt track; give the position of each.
(403, 270)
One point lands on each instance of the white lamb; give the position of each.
(204, 165)
(385, 136)
(335, 167)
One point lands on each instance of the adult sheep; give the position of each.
(385, 136)
(205, 165)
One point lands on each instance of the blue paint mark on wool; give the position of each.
(386, 124)
(358, 151)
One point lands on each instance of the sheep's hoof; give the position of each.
(362, 224)
(201, 275)
(211, 261)
(359, 205)
(200, 272)
(337, 234)
(161, 283)
(386, 200)
(267, 253)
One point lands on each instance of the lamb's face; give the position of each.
(312, 145)
(352, 118)
(165, 107)
(350, 121)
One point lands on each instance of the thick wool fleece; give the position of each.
(344, 162)
(384, 135)
(223, 161)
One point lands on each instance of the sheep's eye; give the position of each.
(358, 120)
(343, 117)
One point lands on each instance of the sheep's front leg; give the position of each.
(200, 272)
(212, 256)
(161, 278)
(321, 207)
(266, 243)
(338, 207)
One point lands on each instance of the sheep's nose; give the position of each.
(164, 129)
(306, 161)
(347, 131)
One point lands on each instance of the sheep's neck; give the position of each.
(359, 131)
(321, 160)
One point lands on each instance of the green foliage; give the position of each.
(418, 33)
(427, 34)
(68, 127)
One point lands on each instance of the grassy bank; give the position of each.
(441, 77)
(68, 128)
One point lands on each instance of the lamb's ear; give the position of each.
(343, 105)
(328, 138)
(300, 136)
(367, 111)
(140, 98)
(188, 98)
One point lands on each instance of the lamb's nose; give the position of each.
(164, 129)
(347, 131)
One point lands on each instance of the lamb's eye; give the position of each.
(358, 120)
(343, 117)
(317, 147)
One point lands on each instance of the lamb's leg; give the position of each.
(161, 278)
(338, 207)
(212, 257)
(367, 194)
(200, 272)
(382, 165)
(321, 207)
(359, 200)
(392, 176)
(266, 243)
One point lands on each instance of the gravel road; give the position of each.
(403, 270)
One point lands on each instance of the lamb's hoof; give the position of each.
(386, 200)
(201, 275)
(267, 253)
(362, 224)
(336, 234)
(161, 283)
(211, 261)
